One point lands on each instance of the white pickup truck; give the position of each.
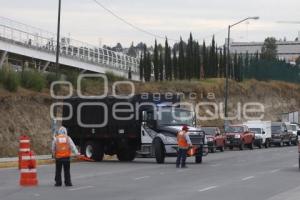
(262, 130)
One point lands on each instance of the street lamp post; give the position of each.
(58, 39)
(53, 121)
(228, 63)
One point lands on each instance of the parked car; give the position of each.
(280, 135)
(262, 130)
(215, 139)
(292, 129)
(239, 136)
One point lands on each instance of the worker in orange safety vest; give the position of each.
(62, 149)
(184, 143)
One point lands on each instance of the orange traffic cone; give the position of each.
(24, 146)
(28, 176)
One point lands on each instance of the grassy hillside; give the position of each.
(27, 111)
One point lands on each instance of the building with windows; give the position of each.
(287, 50)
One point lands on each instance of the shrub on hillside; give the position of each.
(10, 80)
(111, 77)
(50, 78)
(33, 80)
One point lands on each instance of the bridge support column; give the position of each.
(46, 66)
(2, 59)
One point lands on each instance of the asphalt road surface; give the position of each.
(266, 174)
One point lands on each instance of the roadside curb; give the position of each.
(41, 160)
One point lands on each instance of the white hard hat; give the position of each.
(62, 130)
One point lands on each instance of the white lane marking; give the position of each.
(161, 173)
(297, 165)
(143, 177)
(215, 165)
(274, 171)
(37, 195)
(81, 188)
(208, 188)
(183, 170)
(247, 178)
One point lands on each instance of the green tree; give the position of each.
(161, 65)
(181, 60)
(204, 59)
(269, 49)
(168, 61)
(156, 62)
(175, 64)
(189, 58)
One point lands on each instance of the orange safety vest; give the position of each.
(182, 143)
(62, 145)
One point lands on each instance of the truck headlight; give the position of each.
(237, 136)
(171, 140)
(210, 139)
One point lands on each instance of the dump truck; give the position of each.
(142, 125)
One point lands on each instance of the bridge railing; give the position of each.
(68, 47)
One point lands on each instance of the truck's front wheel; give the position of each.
(159, 152)
(93, 150)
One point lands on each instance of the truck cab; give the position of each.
(159, 130)
(262, 130)
(293, 131)
(215, 139)
(280, 134)
(239, 136)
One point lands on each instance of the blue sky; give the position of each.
(86, 21)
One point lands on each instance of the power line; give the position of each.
(131, 24)
(143, 30)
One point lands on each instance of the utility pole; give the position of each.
(54, 122)
(228, 64)
(58, 39)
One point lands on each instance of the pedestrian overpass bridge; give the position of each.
(34, 43)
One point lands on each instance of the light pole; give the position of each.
(228, 63)
(58, 39)
(54, 122)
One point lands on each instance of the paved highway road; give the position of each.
(266, 174)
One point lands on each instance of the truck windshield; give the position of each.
(235, 129)
(173, 117)
(293, 128)
(276, 129)
(209, 131)
(256, 130)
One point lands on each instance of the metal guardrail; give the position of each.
(34, 38)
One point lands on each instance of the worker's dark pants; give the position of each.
(63, 163)
(181, 157)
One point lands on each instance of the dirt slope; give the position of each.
(28, 112)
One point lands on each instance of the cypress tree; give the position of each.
(189, 58)
(181, 61)
(161, 65)
(175, 64)
(204, 59)
(155, 62)
(168, 70)
(141, 67)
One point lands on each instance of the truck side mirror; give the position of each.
(298, 133)
(285, 130)
(263, 132)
